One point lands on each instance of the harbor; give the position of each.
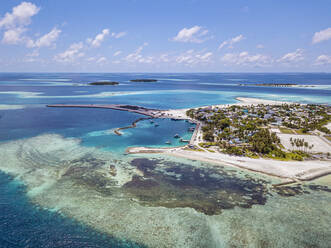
(149, 112)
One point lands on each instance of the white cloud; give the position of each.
(20, 16)
(191, 57)
(101, 60)
(292, 57)
(35, 53)
(48, 39)
(90, 59)
(137, 57)
(72, 53)
(322, 35)
(231, 41)
(323, 60)
(244, 58)
(164, 58)
(259, 46)
(118, 35)
(13, 36)
(15, 23)
(117, 53)
(32, 57)
(196, 34)
(96, 42)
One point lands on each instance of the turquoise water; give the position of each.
(24, 225)
(125, 209)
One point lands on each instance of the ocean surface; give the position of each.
(56, 190)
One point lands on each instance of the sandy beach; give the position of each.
(293, 170)
(242, 101)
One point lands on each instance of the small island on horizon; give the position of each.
(104, 83)
(270, 84)
(142, 80)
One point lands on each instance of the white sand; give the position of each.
(181, 113)
(301, 170)
(296, 170)
(328, 126)
(320, 144)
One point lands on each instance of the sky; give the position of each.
(165, 36)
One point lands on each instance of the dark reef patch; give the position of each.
(84, 171)
(299, 189)
(207, 190)
(290, 190)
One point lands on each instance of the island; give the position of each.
(289, 141)
(143, 80)
(271, 84)
(104, 83)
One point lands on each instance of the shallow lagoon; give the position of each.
(109, 199)
(166, 202)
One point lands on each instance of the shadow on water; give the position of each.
(24, 225)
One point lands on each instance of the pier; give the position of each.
(133, 125)
(150, 113)
(129, 108)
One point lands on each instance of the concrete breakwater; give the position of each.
(130, 108)
(133, 125)
(151, 113)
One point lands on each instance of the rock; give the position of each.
(112, 170)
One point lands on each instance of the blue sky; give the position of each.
(165, 36)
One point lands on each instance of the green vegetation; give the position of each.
(308, 118)
(244, 130)
(207, 144)
(286, 130)
(104, 83)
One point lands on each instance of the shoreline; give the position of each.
(286, 170)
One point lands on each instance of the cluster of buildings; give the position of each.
(235, 124)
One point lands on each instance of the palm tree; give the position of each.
(306, 146)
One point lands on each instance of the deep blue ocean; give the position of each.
(23, 114)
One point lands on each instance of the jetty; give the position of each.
(133, 125)
(149, 112)
(129, 108)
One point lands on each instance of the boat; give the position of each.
(184, 141)
(156, 125)
(152, 122)
(177, 136)
(168, 142)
